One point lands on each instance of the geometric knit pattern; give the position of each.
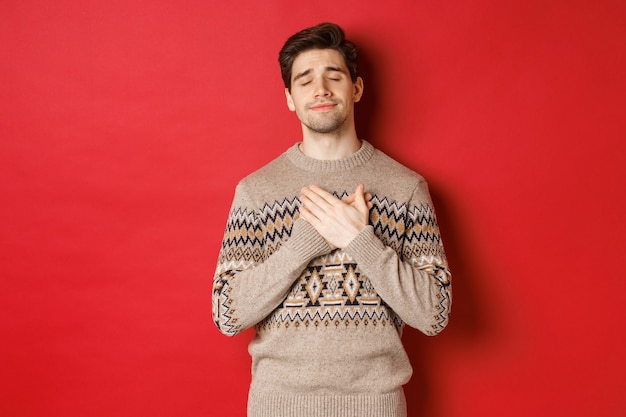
(331, 291)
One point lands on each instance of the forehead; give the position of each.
(317, 59)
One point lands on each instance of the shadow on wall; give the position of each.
(365, 109)
(469, 324)
(468, 327)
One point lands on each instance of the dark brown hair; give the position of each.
(322, 36)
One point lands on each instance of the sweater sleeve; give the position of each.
(413, 280)
(256, 265)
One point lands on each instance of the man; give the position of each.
(328, 251)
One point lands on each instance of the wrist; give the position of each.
(366, 246)
(306, 241)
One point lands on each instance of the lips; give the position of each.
(322, 106)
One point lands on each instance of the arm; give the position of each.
(416, 282)
(255, 268)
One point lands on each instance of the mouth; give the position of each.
(325, 106)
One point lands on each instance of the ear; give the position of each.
(358, 89)
(290, 103)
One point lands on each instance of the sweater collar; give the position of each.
(364, 154)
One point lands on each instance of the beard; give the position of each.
(323, 122)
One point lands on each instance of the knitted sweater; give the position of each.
(328, 322)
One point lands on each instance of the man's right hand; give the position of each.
(338, 221)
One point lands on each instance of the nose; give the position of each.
(321, 89)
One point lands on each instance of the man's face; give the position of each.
(322, 93)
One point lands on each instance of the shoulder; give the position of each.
(267, 174)
(256, 188)
(394, 171)
(394, 183)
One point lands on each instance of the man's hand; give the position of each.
(338, 221)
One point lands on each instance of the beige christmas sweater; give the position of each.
(329, 322)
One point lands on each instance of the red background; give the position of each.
(125, 126)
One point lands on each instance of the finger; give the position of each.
(308, 215)
(362, 204)
(359, 197)
(312, 210)
(307, 204)
(350, 198)
(328, 197)
(321, 198)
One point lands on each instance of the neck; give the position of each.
(329, 146)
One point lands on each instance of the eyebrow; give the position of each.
(308, 71)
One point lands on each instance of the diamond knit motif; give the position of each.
(331, 292)
(314, 287)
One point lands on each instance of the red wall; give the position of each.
(125, 126)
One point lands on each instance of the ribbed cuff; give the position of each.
(306, 241)
(366, 247)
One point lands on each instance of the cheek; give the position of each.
(299, 100)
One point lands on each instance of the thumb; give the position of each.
(359, 198)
